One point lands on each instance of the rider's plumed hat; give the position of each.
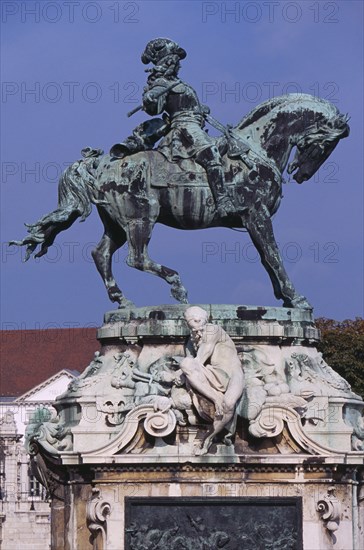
(159, 48)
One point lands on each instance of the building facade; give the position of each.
(36, 367)
(25, 511)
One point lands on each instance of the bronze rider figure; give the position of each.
(167, 93)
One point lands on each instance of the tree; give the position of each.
(342, 346)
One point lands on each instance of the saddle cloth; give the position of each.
(187, 173)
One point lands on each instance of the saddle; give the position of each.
(183, 171)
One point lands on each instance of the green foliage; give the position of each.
(342, 345)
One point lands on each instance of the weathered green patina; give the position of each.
(190, 180)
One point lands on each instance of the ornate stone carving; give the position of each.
(203, 390)
(46, 429)
(273, 418)
(176, 525)
(266, 383)
(144, 537)
(329, 508)
(215, 374)
(114, 411)
(354, 417)
(160, 423)
(269, 423)
(88, 377)
(96, 516)
(311, 375)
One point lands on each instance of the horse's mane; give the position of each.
(265, 108)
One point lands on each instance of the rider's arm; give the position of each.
(154, 100)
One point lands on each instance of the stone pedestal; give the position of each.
(99, 501)
(127, 439)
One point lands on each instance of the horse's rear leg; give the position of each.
(102, 256)
(138, 234)
(261, 233)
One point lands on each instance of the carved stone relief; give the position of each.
(97, 512)
(174, 524)
(329, 508)
(203, 387)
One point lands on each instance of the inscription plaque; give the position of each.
(209, 524)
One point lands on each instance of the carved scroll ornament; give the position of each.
(329, 509)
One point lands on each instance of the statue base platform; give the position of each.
(124, 457)
(244, 324)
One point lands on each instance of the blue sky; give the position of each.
(72, 70)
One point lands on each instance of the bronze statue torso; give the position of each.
(182, 98)
(185, 111)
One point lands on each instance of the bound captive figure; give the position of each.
(183, 119)
(215, 372)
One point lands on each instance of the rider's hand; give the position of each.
(149, 97)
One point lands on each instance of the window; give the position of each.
(36, 489)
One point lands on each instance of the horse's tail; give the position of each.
(74, 201)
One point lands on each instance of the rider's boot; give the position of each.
(216, 179)
(120, 150)
(210, 159)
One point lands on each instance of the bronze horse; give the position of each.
(134, 193)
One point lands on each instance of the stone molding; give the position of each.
(254, 323)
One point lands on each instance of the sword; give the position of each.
(228, 131)
(157, 96)
(216, 124)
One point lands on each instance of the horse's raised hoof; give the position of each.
(179, 293)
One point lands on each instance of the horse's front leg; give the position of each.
(102, 256)
(260, 229)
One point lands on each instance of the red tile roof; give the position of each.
(29, 357)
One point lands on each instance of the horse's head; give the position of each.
(316, 146)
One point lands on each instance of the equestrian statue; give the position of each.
(170, 171)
